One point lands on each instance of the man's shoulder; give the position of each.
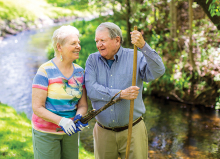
(94, 56)
(128, 50)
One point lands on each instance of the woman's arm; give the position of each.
(38, 105)
(82, 104)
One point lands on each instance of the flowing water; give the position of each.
(174, 130)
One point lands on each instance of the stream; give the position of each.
(175, 130)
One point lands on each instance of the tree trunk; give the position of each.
(173, 19)
(191, 55)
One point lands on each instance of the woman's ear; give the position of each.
(59, 47)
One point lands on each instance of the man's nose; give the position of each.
(99, 44)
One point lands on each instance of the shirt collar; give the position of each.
(116, 56)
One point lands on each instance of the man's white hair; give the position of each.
(113, 30)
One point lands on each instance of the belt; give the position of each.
(118, 129)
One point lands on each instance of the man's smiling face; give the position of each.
(107, 47)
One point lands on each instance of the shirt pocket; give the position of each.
(123, 81)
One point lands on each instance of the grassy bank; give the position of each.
(20, 15)
(16, 136)
(31, 10)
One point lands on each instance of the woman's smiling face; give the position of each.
(71, 47)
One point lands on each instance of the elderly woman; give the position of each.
(58, 99)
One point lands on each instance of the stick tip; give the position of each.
(135, 27)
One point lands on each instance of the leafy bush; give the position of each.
(214, 7)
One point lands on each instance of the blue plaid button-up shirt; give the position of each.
(103, 82)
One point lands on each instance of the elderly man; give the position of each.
(107, 72)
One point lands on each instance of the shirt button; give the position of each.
(111, 75)
(111, 109)
(111, 86)
(113, 121)
(102, 98)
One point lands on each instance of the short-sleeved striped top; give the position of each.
(63, 93)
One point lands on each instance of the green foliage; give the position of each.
(11, 10)
(143, 18)
(30, 10)
(214, 7)
(87, 39)
(178, 76)
(80, 4)
(217, 106)
(57, 12)
(60, 3)
(50, 51)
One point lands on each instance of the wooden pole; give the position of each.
(131, 102)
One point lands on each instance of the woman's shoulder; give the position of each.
(78, 68)
(47, 64)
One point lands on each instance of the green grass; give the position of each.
(16, 136)
(83, 154)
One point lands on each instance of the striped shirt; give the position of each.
(103, 82)
(63, 93)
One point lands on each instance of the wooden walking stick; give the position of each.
(131, 102)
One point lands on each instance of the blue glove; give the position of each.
(68, 126)
(79, 125)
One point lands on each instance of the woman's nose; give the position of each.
(78, 45)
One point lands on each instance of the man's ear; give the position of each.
(118, 40)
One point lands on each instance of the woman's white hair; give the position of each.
(113, 30)
(61, 33)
